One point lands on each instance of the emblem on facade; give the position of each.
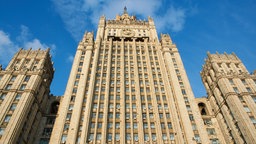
(128, 33)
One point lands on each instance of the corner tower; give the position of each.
(24, 90)
(232, 94)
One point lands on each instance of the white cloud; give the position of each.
(80, 15)
(173, 19)
(9, 47)
(70, 58)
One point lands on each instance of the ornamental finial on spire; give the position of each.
(125, 10)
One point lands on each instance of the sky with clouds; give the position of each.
(195, 27)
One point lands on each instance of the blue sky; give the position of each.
(195, 27)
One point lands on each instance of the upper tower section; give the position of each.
(125, 16)
(126, 26)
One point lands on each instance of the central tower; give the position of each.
(126, 86)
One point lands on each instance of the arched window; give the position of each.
(202, 108)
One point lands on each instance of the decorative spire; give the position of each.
(125, 10)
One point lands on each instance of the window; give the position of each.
(231, 81)
(98, 136)
(248, 89)
(50, 121)
(145, 125)
(26, 78)
(128, 136)
(110, 125)
(68, 116)
(162, 126)
(76, 83)
(47, 131)
(191, 117)
(215, 141)
(146, 137)
(7, 118)
(183, 91)
(1, 131)
(13, 107)
(207, 122)
(164, 136)
(109, 137)
(66, 127)
(168, 115)
(243, 81)
(8, 87)
(110, 115)
(152, 125)
(117, 137)
(22, 87)
(100, 115)
(235, 89)
(194, 127)
(74, 90)
(72, 98)
(44, 141)
(153, 136)
(210, 131)
(91, 137)
(246, 109)
(188, 108)
(117, 115)
(169, 125)
(71, 106)
(13, 78)
(18, 96)
(135, 125)
(254, 98)
(2, 96)
(117, 125)
(1, 77)
(63, 138)
(136, 137)
(127, 125)
(171, 136)
(197, 138)
(253, 120)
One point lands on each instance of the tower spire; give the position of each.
(125, 10)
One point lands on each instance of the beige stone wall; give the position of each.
(126, 86)
(24, 88)
(231, 92)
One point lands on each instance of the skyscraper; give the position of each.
(127, 86)
(24, 91)
(232, 94)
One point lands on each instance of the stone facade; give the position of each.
(48, 120)
(127, 86)
(24, 90)
(232, 94)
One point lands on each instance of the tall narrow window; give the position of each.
(8, 87)
(2, 96)
(13, 78)
(13, 107)
(26, 78)
(7, 118)
(22, 87)
(1, 131)
(235, 89)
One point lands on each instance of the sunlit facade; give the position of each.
(231, 92)
(24, 91)
(127, 86)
